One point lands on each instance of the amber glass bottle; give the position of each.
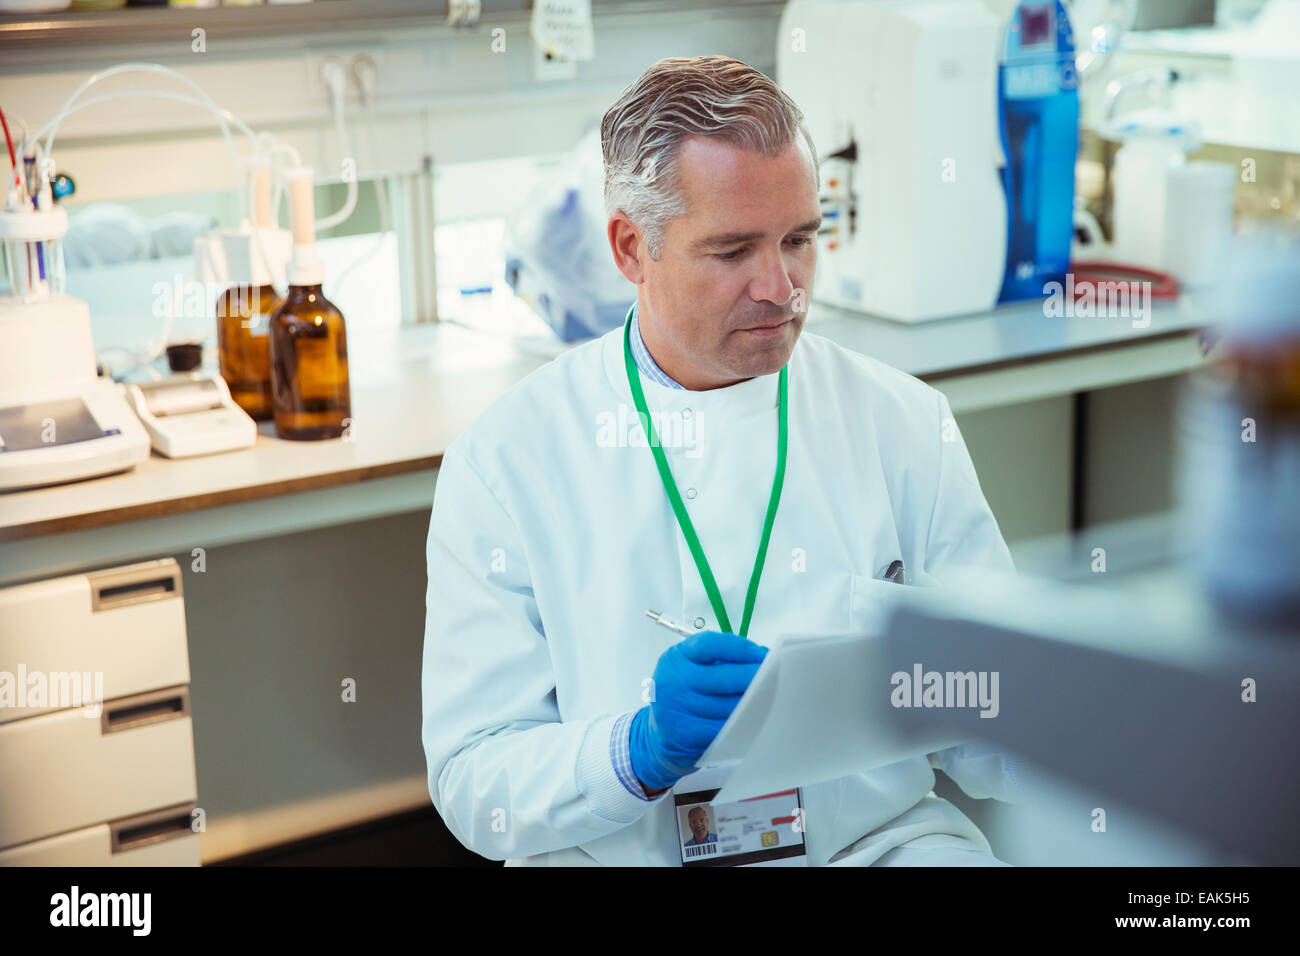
(243, 323)
(309, 347)
(244, 312)
(309, 366)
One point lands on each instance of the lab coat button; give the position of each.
(686, 413)
(690, 492)
(699, 623)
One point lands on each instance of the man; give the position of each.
(557, 716)
(698, 819)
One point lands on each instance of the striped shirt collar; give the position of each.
(645, 362)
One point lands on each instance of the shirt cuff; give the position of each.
(604, 773)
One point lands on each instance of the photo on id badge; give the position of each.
(761, 831)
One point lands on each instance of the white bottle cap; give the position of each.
(304, 266)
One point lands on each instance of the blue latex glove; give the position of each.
(697, 684)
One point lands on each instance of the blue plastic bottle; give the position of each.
(1039, 116)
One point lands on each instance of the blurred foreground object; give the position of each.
(1240, 441)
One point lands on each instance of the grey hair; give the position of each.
(680, 97)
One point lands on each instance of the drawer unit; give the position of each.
(119, 632)
(75, 768)
(159, 838)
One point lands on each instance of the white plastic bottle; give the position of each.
(1154, 142)
(1139, 191)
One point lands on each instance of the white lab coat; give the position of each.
(551, 535)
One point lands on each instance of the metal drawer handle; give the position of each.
(127, 713)
(136, 584)
(131, 833)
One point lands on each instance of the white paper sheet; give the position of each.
(817, 709)
(563, 28)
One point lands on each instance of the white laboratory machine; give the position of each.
(59, 421)
(901, 100)
(189, 415)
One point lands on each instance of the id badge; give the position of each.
(761, 831)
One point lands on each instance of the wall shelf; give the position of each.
(135, 26)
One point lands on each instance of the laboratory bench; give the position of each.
(414, 388)
(302, 563)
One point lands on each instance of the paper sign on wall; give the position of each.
(563, 29)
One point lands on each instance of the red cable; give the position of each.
(13, 159)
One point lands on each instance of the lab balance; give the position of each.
(59, 421)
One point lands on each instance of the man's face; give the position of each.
(699, 824)
(728, 296)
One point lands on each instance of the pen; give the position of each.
(666, 622)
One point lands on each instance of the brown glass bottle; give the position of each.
(243, 349)
(309, 366)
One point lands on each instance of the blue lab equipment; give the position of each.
(1038, 99)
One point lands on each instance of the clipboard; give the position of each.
(818, 709)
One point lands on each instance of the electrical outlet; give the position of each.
(334, 78)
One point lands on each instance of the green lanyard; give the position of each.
(679, 509)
